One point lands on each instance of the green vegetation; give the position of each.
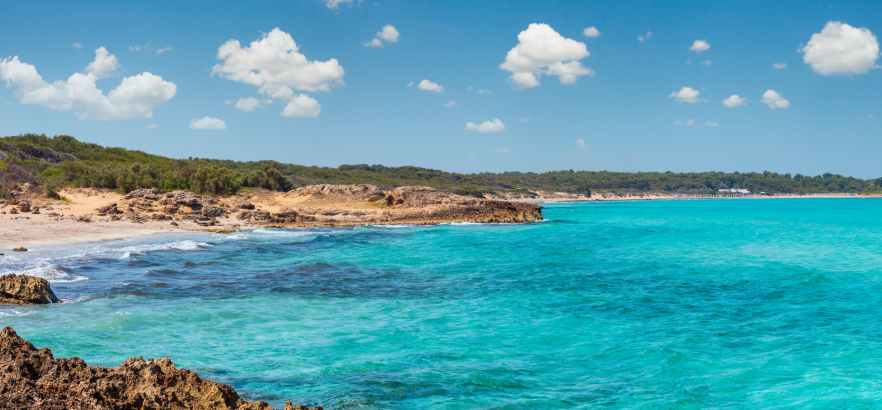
(62, 161)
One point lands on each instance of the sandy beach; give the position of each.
(73, 219)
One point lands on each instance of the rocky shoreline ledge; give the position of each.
(32, 378)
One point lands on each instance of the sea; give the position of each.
(687, 304)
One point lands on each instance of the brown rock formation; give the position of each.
(23, 289)
(34, 379)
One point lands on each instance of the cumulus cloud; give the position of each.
(410, 84)
(712, 124)
(163, 49)
(779, 66)
(841, 49)
(686, 94)
(645, 37)
(486, 126)
(427, 85)
(706, 63)
(274, 65)
(388, 33)
(734, 100)
(302, 106)
(688, 122)
(541, 50)
(135, 97)
(580, 143)
(78, 45)
(247, 104)
(700, 45)
(500, 150)
(525, 119)
(449, 104)
(104, 65)
(335, 4)
(151, 126)
(774, 100)
(208, 123)
(591, 32)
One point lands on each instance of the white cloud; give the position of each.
(247, 104)
(135, 48)
(480, 91)
(164, 49)
(775, 100)
(389, 33)
(841, 49)
(486, 126)
(78, 45)
(449, 104)
(525, 119)
(151, 126)
(208, 123)
(734, 100)
(500, 150)
(706, 63)
(779, 66)
(700, 45)
(427, 85)
(410, 84)
(302, 106)
(580, 143)
(591, 32)
(690, 123)
(686, 94)
(274, 65)
(645, 37)
(135, 97)
(541, 50)
(678, 122)
(335, 4)
(104, 65)
(712, 124)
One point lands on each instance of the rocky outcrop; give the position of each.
(415, 196)
(23, 289)
(360, 192)
(34, 379)
(286, 216)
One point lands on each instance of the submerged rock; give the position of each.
(34, 379)
(25, 289)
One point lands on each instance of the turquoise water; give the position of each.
(726, 304)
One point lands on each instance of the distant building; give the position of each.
(735, 191)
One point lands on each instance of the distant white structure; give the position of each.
(735, 191)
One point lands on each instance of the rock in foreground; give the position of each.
(23, 289)
(33, 379)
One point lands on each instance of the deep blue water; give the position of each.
(726, 304)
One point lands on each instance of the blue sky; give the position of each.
(621, 118)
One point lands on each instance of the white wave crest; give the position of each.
(51, 272)
(186, 245)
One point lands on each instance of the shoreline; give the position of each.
(63, 225)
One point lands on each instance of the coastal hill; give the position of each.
(49, 164)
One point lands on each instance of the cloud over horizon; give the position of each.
(541, 50)
(841, 49)
(275, 66)
(486, 127)
(133, 98)
(208, 123)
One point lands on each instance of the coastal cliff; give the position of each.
(33, 379)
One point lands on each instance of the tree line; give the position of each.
(63, 161)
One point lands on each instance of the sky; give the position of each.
(462, 86)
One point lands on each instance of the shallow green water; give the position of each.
(668, 304)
